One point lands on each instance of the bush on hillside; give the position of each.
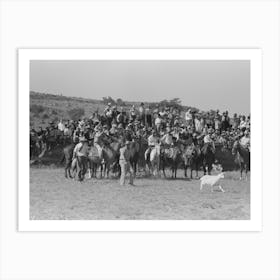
(37, 109)
(109, 99)
(76, 113)
(120, 102)
(45, 116)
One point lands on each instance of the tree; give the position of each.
(120, 102)
(109, 99)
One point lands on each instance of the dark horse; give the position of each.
(134, 148)
(111, 156)
(208, 157)
(67, 156)
(170, 156)
(192, 159)
(242, 157)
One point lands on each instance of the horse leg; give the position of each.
(209, 168)
(65, 172)
(90, 170)
(107, 171)
(241, 171)
(69, 172)
(204, 168)
(163, 170)
(134, 168)
(191, 172)
(201, 186)
(246, 172)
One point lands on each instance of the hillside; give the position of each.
(46, 107)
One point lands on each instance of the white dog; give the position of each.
(212, 180)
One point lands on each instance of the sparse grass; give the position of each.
(53, 197)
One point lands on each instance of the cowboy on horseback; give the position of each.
(208, 141)
(97, 140)
(245, 140)
(152, 142)
(167, 138)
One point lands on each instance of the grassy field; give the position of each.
(52, 197)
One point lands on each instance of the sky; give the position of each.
(204, 84)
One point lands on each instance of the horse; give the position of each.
(134, 149)
(153, 161)
(94, 161)
(143, 145)
(67, 156)
(242, 158)
(208, 157)
(111, 157)
(191, 158)
(170, 156)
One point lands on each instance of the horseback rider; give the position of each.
(153, 140)
(167, 138)
(245, 140)
(208, 140)
(97, 140)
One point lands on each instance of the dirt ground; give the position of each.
(52, 197)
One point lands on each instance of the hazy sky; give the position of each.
(223, 85)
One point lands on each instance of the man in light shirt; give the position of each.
(152, 142)
(167, 138)
(125, 164)
(245, 140)
(188, 117)
(80, 154)
(158, 122)
(208, 140)
(61, 126)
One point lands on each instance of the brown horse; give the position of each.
(94, 161)
(111, 157)
(242, 158)
(67, 156)
(170, 157)
(208, 158)
(192, 159)
(134, 149)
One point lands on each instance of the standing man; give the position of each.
(125, 164)
(81, 152)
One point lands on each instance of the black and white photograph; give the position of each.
(143, 139)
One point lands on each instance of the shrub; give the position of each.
(45, 116)
(76, 113)
(37, 109)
